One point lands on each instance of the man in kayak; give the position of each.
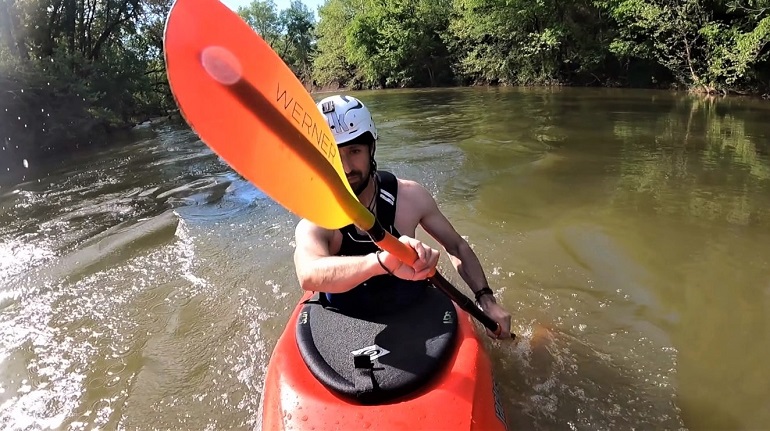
(345, 264)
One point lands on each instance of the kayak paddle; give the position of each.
(246, 104)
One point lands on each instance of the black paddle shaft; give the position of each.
(464, 302)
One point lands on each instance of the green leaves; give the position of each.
(711, 47)
(289, 32)
(383, 44)
(524, 42)
(261, 15)
(107, 54)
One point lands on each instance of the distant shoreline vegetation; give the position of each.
(72, 73)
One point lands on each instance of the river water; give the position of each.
(144, 286)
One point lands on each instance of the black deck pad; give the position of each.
(398, 352)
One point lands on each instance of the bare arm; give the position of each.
(463, 257)
(319, 271)
(460, 252)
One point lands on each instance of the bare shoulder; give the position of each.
(310, 236)
(305, 227)
(415, 194)
(424, 208)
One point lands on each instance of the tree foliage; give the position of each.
(290, 32)
(72, 68)
(710, 46)
(399, 43)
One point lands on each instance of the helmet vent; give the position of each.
(327, 107)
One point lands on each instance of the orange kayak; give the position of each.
(420, 368)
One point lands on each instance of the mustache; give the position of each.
(357, 180)
(354, 175)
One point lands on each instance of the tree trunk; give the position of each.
(431, 76)
(48, 44)
(81, 25)
(91, 12)
(70, 23)
(119, 18)
(5, 27)
(9, 25)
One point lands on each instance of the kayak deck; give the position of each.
(374, 356)
(461, 395)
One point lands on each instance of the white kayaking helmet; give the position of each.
(347, 117)
(350, 122)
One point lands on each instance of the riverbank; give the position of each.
(42, 122)
(38, 119)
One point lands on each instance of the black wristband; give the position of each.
(377, 253)
(482, 292)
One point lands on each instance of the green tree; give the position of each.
(398, 43)
(331, 64)
(525, 42)
(710, 46)
(74, 70)
(262, 16)
(290, 32)
(741, 46)
(298, 41)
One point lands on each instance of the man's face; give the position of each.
(355, 161)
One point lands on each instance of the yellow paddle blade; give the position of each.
(245, 103)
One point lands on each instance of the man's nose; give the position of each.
(345, 164)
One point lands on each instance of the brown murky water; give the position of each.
(144, 287)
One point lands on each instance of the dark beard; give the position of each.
(361, 187)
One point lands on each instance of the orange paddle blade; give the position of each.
(249, 107)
